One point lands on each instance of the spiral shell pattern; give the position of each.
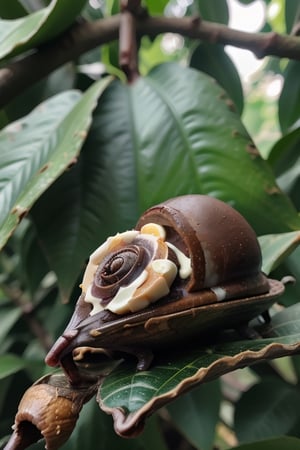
(131, 270)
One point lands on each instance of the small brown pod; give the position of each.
(49, 409)
(191, 267)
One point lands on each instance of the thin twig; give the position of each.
(22, 73)
(28, 314)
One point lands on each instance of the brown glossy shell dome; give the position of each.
(221, 244)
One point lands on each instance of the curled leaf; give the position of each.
(130, 396)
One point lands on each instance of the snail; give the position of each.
(191, 266)
(49, 409)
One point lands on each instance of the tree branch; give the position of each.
(84, 36)
(128, 49)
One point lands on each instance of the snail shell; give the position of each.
(49, 409)
(191, 266)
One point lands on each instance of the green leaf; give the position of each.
(32, 256)
(268, 409)
(17, 36)
(292, 14)
(196, 414)
(282, 443)
(9, 316)
(213, 60)
(96, 197)
(62, 79)
(214, 10)
(290, 267)
(285, 160)
(283, 154)
(152, 436)
(157, 138)
(202, 147)
(12, 9)
(156, 7)
(289, 101)
(10, 364)
(4, 389)
(276, 247)
(45, 143)
(92, 425)
(130, 395)
(296, 366)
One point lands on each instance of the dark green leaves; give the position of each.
(32, 160)
(270, 408)
(213, 60)
(286, 443)
(289, 102)
(12, 9)
(276, 247)
(285, 160)
(214, 10)
(196, 414)
(19, 35)
(10, 364)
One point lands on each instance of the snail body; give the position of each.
(191, 266)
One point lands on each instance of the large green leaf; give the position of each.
(285, 160)
(292, 14)
(9, 316)
(17, 36)
(201, 147)
(214, 10)
(11, 9)
(283, 443)
(156, 7)
(10, 364)
(167, 134)
(277, 415)
(96, 198)
(213, 60)
(196, 414)
(62, 79)
(276, 247)
(93, 431)
(37, 149)
(289, 101)
(131, 396)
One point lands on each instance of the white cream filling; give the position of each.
(185, 267)
(95, 301)
(219, 292)
(154, 229)
(121, 301)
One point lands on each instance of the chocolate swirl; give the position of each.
(118, 269)
(127, 271)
